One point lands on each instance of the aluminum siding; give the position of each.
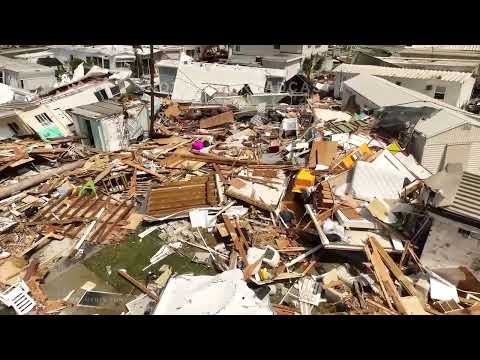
(457, 135)
(432, 157)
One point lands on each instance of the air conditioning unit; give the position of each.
(428, 87)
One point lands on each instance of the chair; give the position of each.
(17, 296)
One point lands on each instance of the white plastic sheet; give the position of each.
(224, 294)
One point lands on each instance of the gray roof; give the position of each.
(449, 47)
(403, 61)
(459, 192)
(99, 110)
(383, 93)
(18, 65)
(453, 76)
(442, 121)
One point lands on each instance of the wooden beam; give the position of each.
(393, 267)
(141, 168)
(236, 241)
(387, 281)
(123, 273)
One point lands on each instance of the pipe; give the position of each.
(37, 179)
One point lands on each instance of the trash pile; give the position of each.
(295, 209)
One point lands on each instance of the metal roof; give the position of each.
(99, 110)
(453, 76)
(459, 192)
(115, 50)
(385, 93)
(449, 47)
(403, 60)
(18, 65)
(442, 121)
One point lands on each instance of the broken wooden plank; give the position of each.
(59, 222)
(406, 282)
(236, 241)
(381, 307)
(123, 273)
(386, 280)
(217, 120)
(141, 168)
(379, 280)
(250, 201)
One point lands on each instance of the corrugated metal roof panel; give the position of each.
(454, 76)
(99, 109)
(370, 180)
(473, 165)
(432, 157)
(467, 199)
(449, 47)
(441, 121)
(385, 93)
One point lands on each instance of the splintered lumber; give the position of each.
(141, 168)
(406, 283)
(59, 222)
(123, 273)
(303, 256)
(217, 120)
(283, 310)
(237, 243)
(196, 155)
(250, 268)
(377, 275)
(8, 190)
(381, 307)
(386, 280)
(249, 200)
(182, 195)
(472, 310)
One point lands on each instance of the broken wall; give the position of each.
(451, 244)
(57, 128)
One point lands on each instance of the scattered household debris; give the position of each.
(289, 209)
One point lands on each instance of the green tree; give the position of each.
(307, 67)
(74, 62)
(312, 65)
(137, 68)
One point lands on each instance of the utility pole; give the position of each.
(152, 97)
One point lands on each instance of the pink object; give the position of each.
(197, 145)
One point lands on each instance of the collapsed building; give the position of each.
(237, 202)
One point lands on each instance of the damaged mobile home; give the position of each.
(229, 199)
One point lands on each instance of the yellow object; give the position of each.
(264, 274)
(363, 151)
(305, 179)
(394, 148)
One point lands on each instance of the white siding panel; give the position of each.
(458, 153)
(458, 135)
(432, 157)
(473, 165)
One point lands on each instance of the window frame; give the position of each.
(436, 93)
(44, 120)
(14, 127)
(101, 95)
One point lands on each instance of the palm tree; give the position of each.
(138, 61)
(307, 67)
(312, 64)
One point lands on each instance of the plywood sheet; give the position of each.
(322, 153)
(217, 120)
